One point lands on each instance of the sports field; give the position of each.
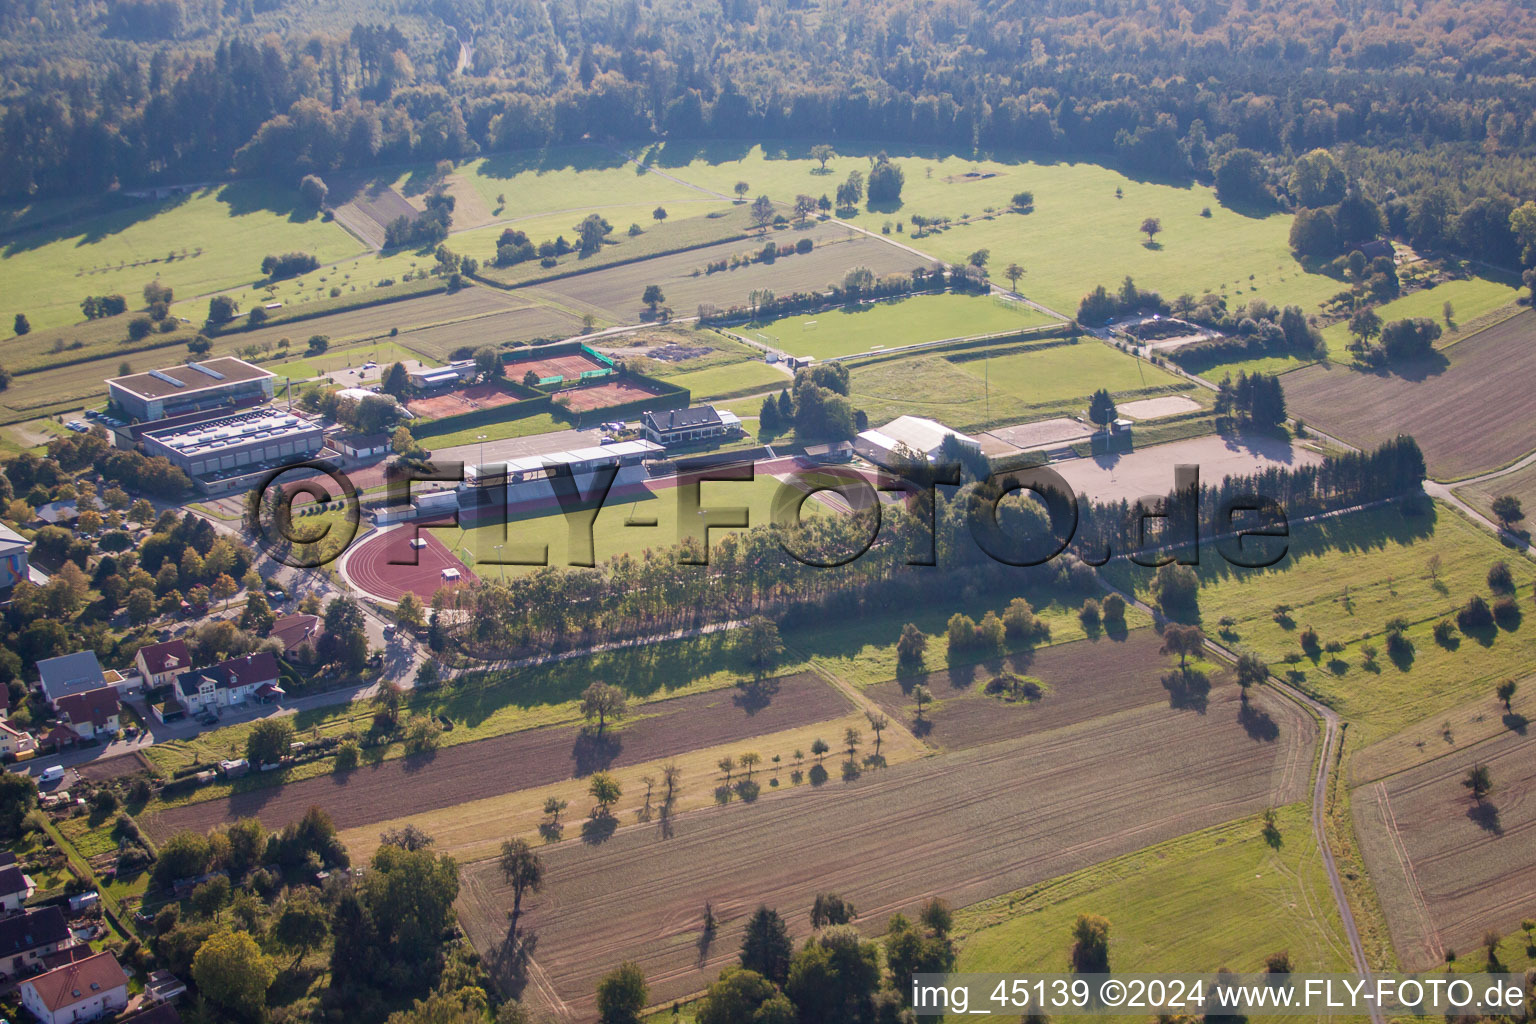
(742, 378)
(570, 365)
(608, 391)
(386, 566)
(1469, 405)
(1347, 578)
(1004, 384)
(870, 327)
(460, 400)
(199, 243)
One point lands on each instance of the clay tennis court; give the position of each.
(570, 366)
(601, 396)
(457, 400)
(371, 566)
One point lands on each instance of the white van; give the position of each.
(53, 773)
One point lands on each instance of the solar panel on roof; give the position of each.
(167, 378)
(215, 374)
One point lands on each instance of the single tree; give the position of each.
(851, 739)
(302, 922)
(749, 761)
(605, 789)
(1183, 641)
(819, 748)
(1508, 509)
(603, 701)
(1013, 272)
(1251, 671)
(1478, 782)
(1090, 945)
(659, 214)
(821, 153)
(766, 948)
(232, 973)
(1364, 326)
(554, 807)
(878, 723)
(922, 695)
(1150, 227)
(727, 764)
(762, 211)
(22, 324)
(622, 994)
(1101, 408)
(523, 871)
(1506, 692)
(912, 644)
(741, 188)
(653, 297)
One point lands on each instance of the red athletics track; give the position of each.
(369, 566)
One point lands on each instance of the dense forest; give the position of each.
(1406, 95)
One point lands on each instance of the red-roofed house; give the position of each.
(161, 663)
(294, 631)
(91, 713)
(84, 990)
(232, 682)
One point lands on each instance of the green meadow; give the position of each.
(1471, 299)
(870, 327)
(1168, 907)
(197, 244)
(1080, 234)
(1347, 578)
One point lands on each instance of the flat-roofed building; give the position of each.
(908, 439)
(191, 387)
(214, 451)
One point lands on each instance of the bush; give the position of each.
(803, 246)
(1500, 579)
(1445, 633)
(1090, 615)
(1114, 609)
(1506, 612)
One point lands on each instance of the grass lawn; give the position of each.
(196, 244)
(562, 178)
(1170, 907)
(731, 380)
(1006, 384)
(1079, 235)
(851, 330)
(1347, 578)
(1471, 299)
(542, 423)
(611, 537)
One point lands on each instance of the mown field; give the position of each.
(965, 826)
(1170, 907)
(1079, 235)
(1520, 484)
(868, 327)
(1004, 384)
(197, 244)
(744, 378)
(1347, 578)
(615, 292)
(1449, 868)
(1468, 406)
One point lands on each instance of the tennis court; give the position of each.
(460, 400)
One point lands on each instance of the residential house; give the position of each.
(13, 740)
(84, 990)
(15, 887)
(161, 663)
(161, 987)
(58, 513)
(297, 633)
(26, 939)
(230, 683)
(13, 557)
(69, 673)
(359, 446)
(92, 713)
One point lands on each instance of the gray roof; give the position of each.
(10, 538)
(683, 419)
(33, 929)
(70, 673)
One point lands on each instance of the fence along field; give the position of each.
(1470, 407)
(966, 825)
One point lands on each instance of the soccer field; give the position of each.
(872, 327)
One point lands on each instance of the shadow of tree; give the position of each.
(1257, 723)
(753, 695)
(1486, 817)
(598, 829)
(552, 831)
(1514, 721)
(510, 958)
(592, 753)
(1188, 689)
